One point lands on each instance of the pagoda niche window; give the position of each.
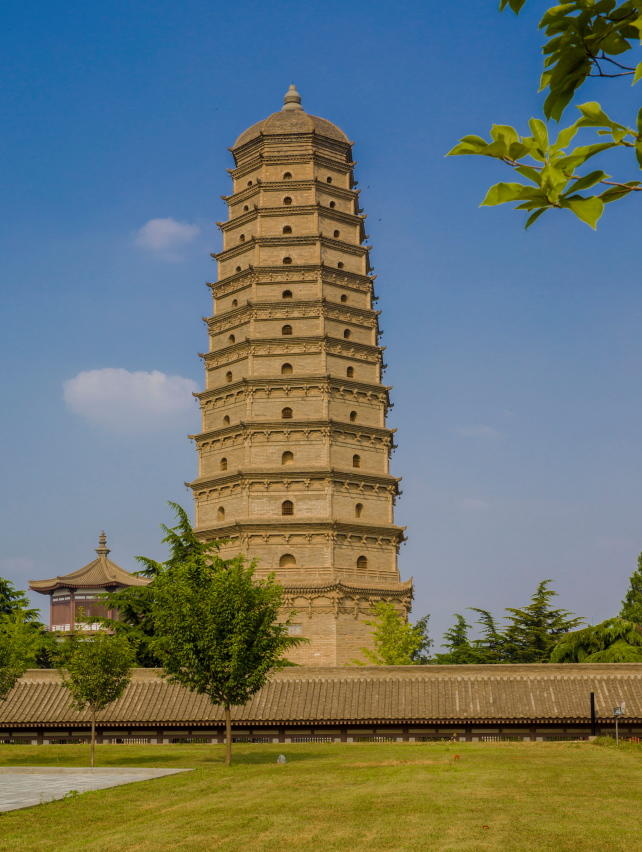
(287, 229)
(350, 372)
(353, 416)
(287, 201)
(286, 330)
(287, 175)
(286, 369)
(346, 333)
(228, 376)
(358, 510)
(287, 457)
(287, 561)
(286, 414)
(356, 461)
(223, 464)
(362, 563)
(220, 514)
(286, 294)
(287, 507)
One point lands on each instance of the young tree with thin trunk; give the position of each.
(97, 670)
(396, 642)
(217, 627)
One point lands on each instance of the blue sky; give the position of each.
(515, 357)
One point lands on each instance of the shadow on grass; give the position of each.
(161, 759)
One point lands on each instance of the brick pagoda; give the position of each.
(294, 450)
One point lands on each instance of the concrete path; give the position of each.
(25, 786)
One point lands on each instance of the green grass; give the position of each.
(371, 796)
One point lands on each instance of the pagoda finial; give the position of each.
(292, 99)
(102, 549)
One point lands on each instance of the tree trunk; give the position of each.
(228, 735)
(92, 747)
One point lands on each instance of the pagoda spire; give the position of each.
(292, 99)
(102, 549)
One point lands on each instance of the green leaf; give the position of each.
(638, 144)
(554, 13)
(594, 116)
(517, 150)
(588, 181)
(530, 173)
(515, 5)
(557, 101)
(535, 216)
(565, 137)
(637, 26)
(582, 154)
(500, 193)
(588, 210)
(638, 73)
(504, 133)
(617, 192)
(468, 145)
(539, 131)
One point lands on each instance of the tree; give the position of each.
(583, 36)
(15, 606)
(396, 642)
(18, 650)
(15, 602)
(135, 603)
(534, 630)
(216, 627)
(492, 645)
(460, 650)
(615, 640)
(97, 670)
(632, 603)
(134, 622)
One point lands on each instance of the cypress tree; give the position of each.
(534, 630)
(632, 603)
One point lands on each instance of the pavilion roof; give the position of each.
(99, 573)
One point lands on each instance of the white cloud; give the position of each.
(475, 504)
(123, 401)
(479, 431)
(164, 236)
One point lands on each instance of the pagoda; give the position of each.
(76, 598)
(294, 450)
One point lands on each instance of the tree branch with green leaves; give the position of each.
(583, 37)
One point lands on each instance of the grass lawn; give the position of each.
(371, 796)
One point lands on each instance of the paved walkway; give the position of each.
(25, 786)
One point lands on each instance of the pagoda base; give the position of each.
(332, 617)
